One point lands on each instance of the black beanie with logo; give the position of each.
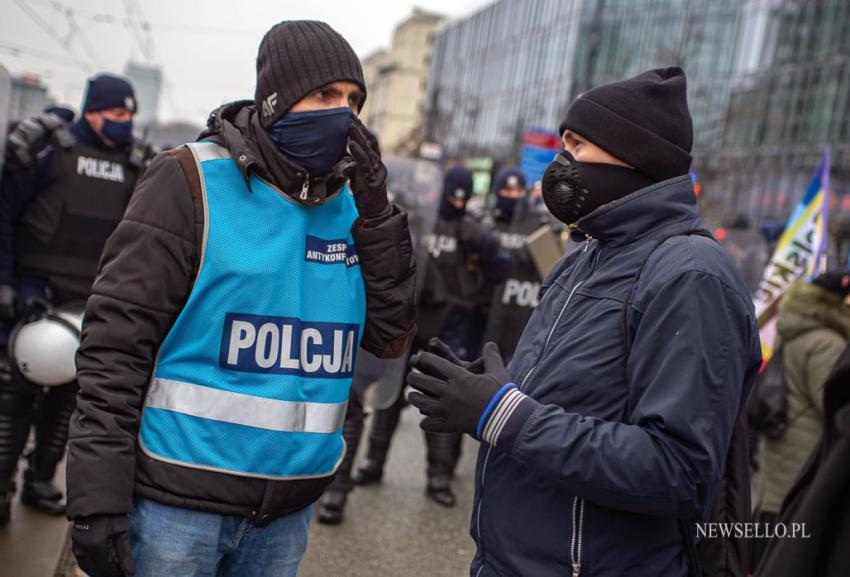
(643, 121)
(296, 57)
(457, 185)
(107, 91)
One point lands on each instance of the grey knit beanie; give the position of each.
(297, 57)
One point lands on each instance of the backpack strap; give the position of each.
(624, 314)
(686, 526)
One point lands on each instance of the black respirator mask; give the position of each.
(573, 189)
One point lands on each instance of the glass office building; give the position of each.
(767, 83)
(780, 117)
(519, 63)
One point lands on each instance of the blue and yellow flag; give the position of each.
(800, 253)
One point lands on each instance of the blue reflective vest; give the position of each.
(253, 377)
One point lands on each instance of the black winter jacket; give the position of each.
(818, 505)
(598, 457)
(146, 274)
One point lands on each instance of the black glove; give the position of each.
(101, 544)
(29, 138)
(441, 349)
(369, 180)
(456, 400)
(7, 302)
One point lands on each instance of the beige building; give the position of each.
(396, 80)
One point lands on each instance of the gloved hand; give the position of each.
(101, 544)
(456, 400)
(7, 302)
(441, 349)
(369, 180)
(29, 138)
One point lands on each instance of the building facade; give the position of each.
(396, 82)
(147, 84)
(28, 97)
(520, 63)
(793, 102)
(764, 76)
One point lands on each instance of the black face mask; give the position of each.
(573, 189)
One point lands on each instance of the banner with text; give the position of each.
(800, 253)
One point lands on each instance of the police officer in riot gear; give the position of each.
(513, 219)
(463, 261)
(332, 503)
(64, 190)
(416, 186)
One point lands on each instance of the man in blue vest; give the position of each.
(219, 343)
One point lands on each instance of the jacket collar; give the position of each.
(85, 134)
(236, 126)
(667, 204)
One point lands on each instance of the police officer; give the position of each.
(463, 261)
(64, 189)
(513, 219)
(332, 504)
(220, 338)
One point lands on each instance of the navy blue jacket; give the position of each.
(598, 457)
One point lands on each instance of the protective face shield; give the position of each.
(42, 347)
(415, 185)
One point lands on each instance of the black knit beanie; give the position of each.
(457, 184)
(643, 121)
(297, 57)
(834, 281)
(510, 176)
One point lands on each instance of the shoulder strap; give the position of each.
(624, 324)
(694, 564)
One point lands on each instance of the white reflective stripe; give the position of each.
(241, 409)
(501, 415)
(208, 151)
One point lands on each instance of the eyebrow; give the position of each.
(329, 89)
(336, 92)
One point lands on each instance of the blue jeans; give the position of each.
(174, 542)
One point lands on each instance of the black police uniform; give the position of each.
(463, 260)
(54, 221)
(515, 298)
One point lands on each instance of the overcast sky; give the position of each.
(206, 48)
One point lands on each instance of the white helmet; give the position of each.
(42, 348)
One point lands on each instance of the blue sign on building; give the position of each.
(540, 147)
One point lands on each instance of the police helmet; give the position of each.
(42, 346)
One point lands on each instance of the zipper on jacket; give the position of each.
(305, 188)
(578, 529)
(521, 387)
(587, 239)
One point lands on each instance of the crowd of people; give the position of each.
(204, 324)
